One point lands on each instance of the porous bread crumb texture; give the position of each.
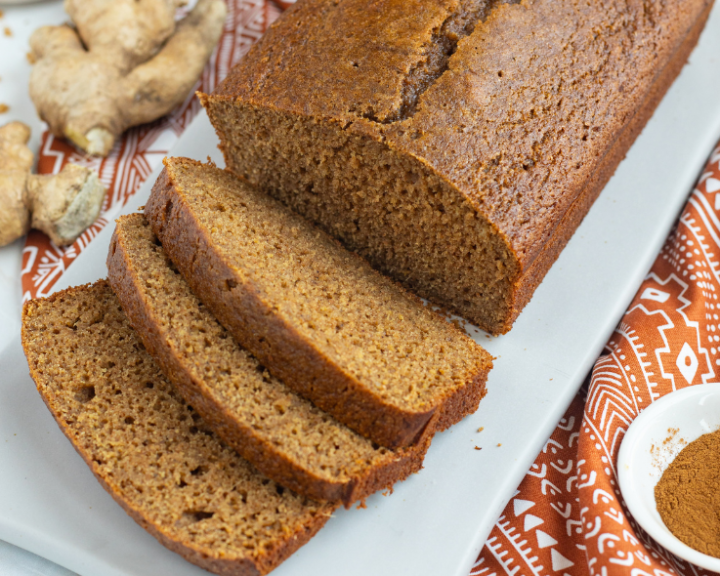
(149, 449)
(379, 334)
(389, 208)
(282, 434)
(282, 276)
(512, 134)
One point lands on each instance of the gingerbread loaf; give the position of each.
(317, 316)
(283, 435)
(456, 144)
(150, 450)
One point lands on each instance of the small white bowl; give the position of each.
(651, 443)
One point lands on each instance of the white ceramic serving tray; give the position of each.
(435, 523)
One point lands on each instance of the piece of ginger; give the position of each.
(61, 205)
(126, 63)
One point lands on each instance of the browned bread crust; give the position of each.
(193, 210)
(565, 228)
(278, 432)
(456, 144)
(152, 454)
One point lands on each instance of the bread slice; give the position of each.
(281, 434)
(317, 316)
(148, 448)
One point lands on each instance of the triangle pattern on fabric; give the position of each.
(544, 540)
(712, 184)
(559, 562)
(521, 506)
(531, 522)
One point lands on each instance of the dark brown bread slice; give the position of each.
(456, 144)
(148, 448)
(316, 315)
(281, 434)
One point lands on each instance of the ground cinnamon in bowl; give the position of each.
(688, 495)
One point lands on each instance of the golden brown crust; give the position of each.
(565, 228)
(272, 460)
(275, 343)
(210, 558)
(465, 401)
(527, 121)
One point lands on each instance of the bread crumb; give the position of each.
(478, 448)
(481, 428)
(499, 445)
(4, 108)
(7, 31)
(30, 57)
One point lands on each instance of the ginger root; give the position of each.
(62, 205)
(127, 63)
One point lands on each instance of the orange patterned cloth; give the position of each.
(567, 517)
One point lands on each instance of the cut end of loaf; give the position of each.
(385, 205)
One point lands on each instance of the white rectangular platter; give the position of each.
(435, 523)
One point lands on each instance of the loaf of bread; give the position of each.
(281, 434)
(149, 449)
(317, 316)
(457, 144)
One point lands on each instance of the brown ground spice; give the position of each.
(688, 495)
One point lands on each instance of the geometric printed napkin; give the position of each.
(567, 517)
